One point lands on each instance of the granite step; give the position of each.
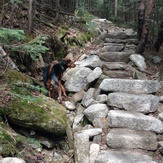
(131, 139)
(133, 120)
(130, 86)
(109, 156)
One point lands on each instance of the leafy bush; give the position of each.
(14, 39)
(34, 48)
(16, 2)
(8, 36)
(84, 14)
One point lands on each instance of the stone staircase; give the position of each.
(122, 108)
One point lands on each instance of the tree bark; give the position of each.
(141, 11)
(31, 15)
(145, 31)
(57, 10)
(159, 40)
(115, 9)
(2, 12)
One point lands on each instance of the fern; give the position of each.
(34, 48)
(11, 35)
(32, 87)
(13, 40)
(84, 14)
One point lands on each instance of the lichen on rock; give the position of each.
(29, 108)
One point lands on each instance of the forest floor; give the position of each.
(41, 28)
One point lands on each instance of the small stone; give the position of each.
(69, 105)
(94, 150)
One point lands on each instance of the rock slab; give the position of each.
(133, 120)
(126, 138)
(130, 86)
(122, 157)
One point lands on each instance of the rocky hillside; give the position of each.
(122, 105)
(115, 107)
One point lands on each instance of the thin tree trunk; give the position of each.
(2, 12)
(141, 11)
(57, 10)
(115, 9)
(145, 31)
(31, 15)
(106, 9)
(159, 40)
(124, 12)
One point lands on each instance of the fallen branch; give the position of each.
(10, 63)
(45, 23)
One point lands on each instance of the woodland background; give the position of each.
(33, 16)
(33, 33)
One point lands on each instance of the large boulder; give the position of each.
(24, 105)
(37, 113)
(78, 80)
(91, 61)
(139, 61)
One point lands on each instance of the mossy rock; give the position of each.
(14, 76)
(13, 144)
(31, 109)
(38, 113)
(7, 144)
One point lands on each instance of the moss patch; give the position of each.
(27, 107)
(37, 112)
(7, 147)
(13, 144)
(14, 76)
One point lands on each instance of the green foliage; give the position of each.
(34, 48)
(17, 2)
(14, 39)
(1, 135)
(81, 11)
(84, 14)
(32, 87)
(13, 145)
(14, 76)
(33, 142)
(24, 91)
(11, 35)
(7, 142)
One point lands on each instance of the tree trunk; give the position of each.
(31, 15)
(2, 12)
(57, 10)
(125, 14)
(159, 40)
(141, 9)
(115, 9)
(145, 31)
(106, 10)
